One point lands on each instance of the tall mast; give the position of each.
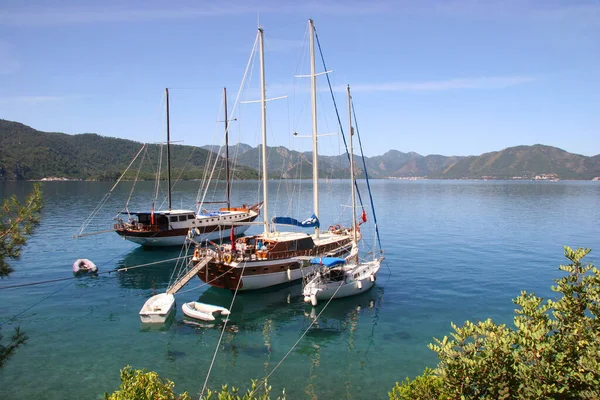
(227, 151)
(352, 166)
(315, 149)
(168, 150)
(263, 102)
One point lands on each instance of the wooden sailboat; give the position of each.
(171, 227)
(342, 277)
(275, 257)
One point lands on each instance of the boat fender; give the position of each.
(227, 258)
(373, 278)
(289, 274)
(313, 300)
(306, 299)
(197, 253)
(359, 285)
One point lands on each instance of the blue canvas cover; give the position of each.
(328, 261)
(312, 222)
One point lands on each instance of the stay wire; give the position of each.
(338, 117)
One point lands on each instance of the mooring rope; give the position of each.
(222, 332)
(264, 381)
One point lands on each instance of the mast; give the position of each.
(263, 102)
(315, 149)
(168, 150)
(352, 165)
(227, 152)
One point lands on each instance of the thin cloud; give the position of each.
(31, 100)
(8, 62)
(148, 12)
(496, 82)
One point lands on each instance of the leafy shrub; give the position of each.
(554, 352)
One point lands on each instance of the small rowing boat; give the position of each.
(203, 311)
(157, 308)
(83, 265)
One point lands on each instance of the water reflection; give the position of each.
(144, 269)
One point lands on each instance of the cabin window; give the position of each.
(182, 218)
(173, 219)
(191, 216)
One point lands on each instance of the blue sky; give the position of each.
(457, 77)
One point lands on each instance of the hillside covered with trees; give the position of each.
(29, 154)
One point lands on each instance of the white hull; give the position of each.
(179, 240)
(158, 242)
(203, 311)
(317, 289)
(157, 308)
(253, 282)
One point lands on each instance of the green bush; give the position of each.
(554, 352)
(144, 385)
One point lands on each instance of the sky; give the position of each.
(451, 77)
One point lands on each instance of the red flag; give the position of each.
(232, 238)
(364, 216)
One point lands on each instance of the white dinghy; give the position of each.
(203, 311)
(157, 308)
(83, 266)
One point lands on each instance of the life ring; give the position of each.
(227, 258)
(197, 253)
(330, 228)
(337, 227)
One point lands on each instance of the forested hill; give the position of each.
(26, 153)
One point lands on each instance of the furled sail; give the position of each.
(310, 222)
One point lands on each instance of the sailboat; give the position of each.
(342, 277)
(274, 257)
(171, 227)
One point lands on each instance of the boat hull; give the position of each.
(262, 273)
(355, 281)
(202, 311)
(331, 291)
(176, 237)
(156, 309)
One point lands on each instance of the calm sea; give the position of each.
(455, 250)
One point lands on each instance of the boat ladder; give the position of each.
(189, 275)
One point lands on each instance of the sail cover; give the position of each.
(327, 261)
(312, 222)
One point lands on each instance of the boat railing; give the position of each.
(136, 226)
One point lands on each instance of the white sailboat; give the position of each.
(275, 257)
(342, 277)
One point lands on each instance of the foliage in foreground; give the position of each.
(17, 221)
(144, 385)
(554, 352)
(16, 224)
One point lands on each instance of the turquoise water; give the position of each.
(455, 250)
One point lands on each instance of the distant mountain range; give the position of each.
(26, 153)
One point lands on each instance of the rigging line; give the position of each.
(295, 344)
(235, 104)
(366, 176)
(122, 269)
(50, 295)
(96, 210)
(222, 332)
(338, 115)
(135, 182)
(157, 181)
(35, 304)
